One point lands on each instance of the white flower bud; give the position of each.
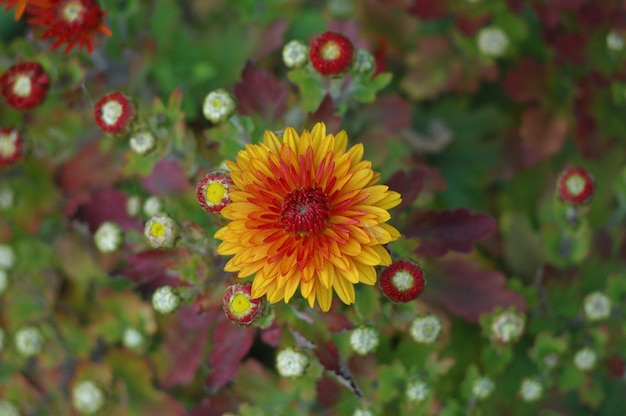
(162, 231)
(133, 205)
(364, 340)
(132, 338)
(362, 412)
(531, 390)
(8, 409)
(585, 359)
(425, 329)
(7, 198)
(417, 391)
(108, 237)
(152, 206)
(482, 387)
(597, 306)
(364, 62)
(615, 41)
(507, 327)
(7, 257)
(165, 300)
(291, 363)
(87, 397)
(218, 106)
(492, 41)
(295, 54)
(142, 142)
(29, 341)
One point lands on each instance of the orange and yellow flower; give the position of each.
(305, 212)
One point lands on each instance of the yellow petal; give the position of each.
(341, 142)
(367, 274)
(345, 290)
(351, 248)
(324, 297)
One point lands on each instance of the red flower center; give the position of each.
(305, 211)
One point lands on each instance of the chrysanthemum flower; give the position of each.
(239, 305)
(24, 85)
(306, 213)
(403, 281)
(331, 53)
(11, 144)
(213, 191)
(114, 112)
(575, 186)
(74, 22)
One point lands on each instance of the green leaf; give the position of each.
(363, 89)
(311, 91)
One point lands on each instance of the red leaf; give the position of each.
(260, 93)
(325, 113)
(442, 231)
(89, 169)
(149, 269)
(224, 402)
(185, 341)
(408, 184)
(543, 133)
(336, 322)
(428, 9)
(468, 291)
(271, 335)
(328, 356)
(392, 113)
(271, 39)
(232, 343)
(525, 82)
(107, 205)
(167, 177)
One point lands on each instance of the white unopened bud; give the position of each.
(597, 306)
(7, 198)
(507, 327)
(108, 237)
(132, 338)
(362, 412)
(87, 397)
(29, 341)
(218, 106)
(615, 41)
(492, 41)
(364, 340)
(531, 390)
(133, 205)
(291, 363)
(152, 206)
(585, 359)
(364, 62)
(295, 54)
(417, 391)
(142, 142)
(7, 257)
(425, 329)
(162, 231)
(8, 409)
(165, 300)
(482, 387)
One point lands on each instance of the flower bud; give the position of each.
(162, 231)
(364, 62)
(492, 41)
(11, 146)
(482, 387)
(295, 54)
(531, 390)
(114, 112)
(29, 341)
(152, 206)
(87, 397)
(364, 340)
(426, 328)
(7, 197)
(507, 326)
(213, 191)
(291, 363)
(239, 305)
(585, 359)
(7, 257)
(132, 338)
(597, 306)
(108, 237)
(142, 142)
(165, 300)
(614, 41)
(218, 106)
(403, 281)
(417, 391)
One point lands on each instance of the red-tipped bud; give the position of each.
(331, 53)
(403, 281)
(240, 307)
(114, 112)
(24, 85)
(11, 145)
(213, 191)
(575, 186)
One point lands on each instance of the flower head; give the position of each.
(295, 54)
(291, 363)
(24, 85)
(239, 305)
(426, 329)
(306, 213)
(213, 191)
(585, 359)
(162, 231)
(492, 41)
(108, 237)
(87, 397)
(597, 306)
(142, 142)
(29, 341)
(331, 53)
(74, 22)
(403, 281)
(531, 390)
(364, 340)
(218, 106)
(11, 146)
(165, 300)
(482, 387)
(575, 186)
(417, 391)
(132, 338)
(114, 112)
(507, 326)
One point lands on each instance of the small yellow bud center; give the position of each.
(575, 184)
(330, 51)
(240, 304)
(215, 192)
(72, 11)
(157, 230)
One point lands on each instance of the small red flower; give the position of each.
(11, 145)
(213, 191)
(239, 305)
(24, 85)
(74, 22)
(114, 112)
(575, 186)
(403, 281)
(331, 53)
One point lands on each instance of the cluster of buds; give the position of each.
(507, 326)
(87, 397)
(364, 340)
(213, 191)
(425, 329)
(239, 305)
(403, 281)
(291, 363)
(295, 54)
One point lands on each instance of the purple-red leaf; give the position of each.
(88, 169)
(260, 93)
(328, 356)
(467, 291)
(440, 232)
(107, 205)
(408, 184)
(149, 269)
(231, 344)
(325, 113)
(167, 177)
